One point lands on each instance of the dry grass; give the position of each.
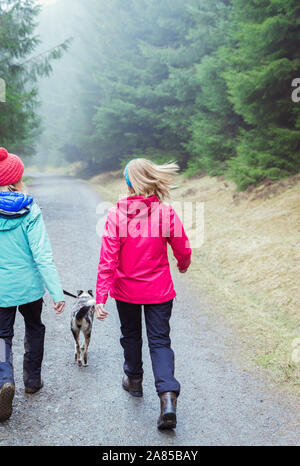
(248, 267)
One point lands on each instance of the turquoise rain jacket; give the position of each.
(26, 261)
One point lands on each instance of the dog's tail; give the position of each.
(82, 312)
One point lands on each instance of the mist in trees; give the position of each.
(21, 65)
(204, 82)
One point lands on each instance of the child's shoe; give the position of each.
(7, 393)
(32, 390)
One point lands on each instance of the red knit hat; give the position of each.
(11, 168)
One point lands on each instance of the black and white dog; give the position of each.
(82, 321)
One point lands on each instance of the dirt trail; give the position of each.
(220, 403)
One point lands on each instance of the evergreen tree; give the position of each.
(140, 113)
(143, 94)
(214, 125)
(19, 123)
(205, 83)
(263, 63)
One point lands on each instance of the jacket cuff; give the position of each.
(101, 299)
(58, 297)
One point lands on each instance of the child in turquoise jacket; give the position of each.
(26, 270)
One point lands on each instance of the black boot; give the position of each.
(7, 393)
(33, 390)
(167, 418)
(133, 386)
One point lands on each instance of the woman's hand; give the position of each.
(59, 307)
(101, 313)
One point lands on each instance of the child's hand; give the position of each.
(59, 307)
(101, 313)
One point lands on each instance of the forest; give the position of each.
(207, 83)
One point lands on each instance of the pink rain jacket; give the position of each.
(134, 265)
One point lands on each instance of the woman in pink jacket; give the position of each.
(134, 269)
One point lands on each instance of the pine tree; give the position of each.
(263, 63)
(19, 123)
(205, 83)
(214, 125)
(140, 113)
(145, 89)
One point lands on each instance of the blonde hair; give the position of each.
(12, 188)
(148, 178)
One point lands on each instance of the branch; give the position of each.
(63, 45)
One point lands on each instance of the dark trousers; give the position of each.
(33, 343)
(157, 317)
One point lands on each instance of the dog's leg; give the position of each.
(76, 334)
(87, 339)
(78, 353)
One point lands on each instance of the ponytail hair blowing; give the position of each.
(148, 178)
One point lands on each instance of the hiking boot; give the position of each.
(32, 390)
(133, 386)
(7, 393)
(167, 418)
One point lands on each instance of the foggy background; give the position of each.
(205, 83)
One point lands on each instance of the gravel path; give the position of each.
(220, 403)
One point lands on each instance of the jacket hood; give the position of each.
(13, 207)
(134, 206)
(13, 203)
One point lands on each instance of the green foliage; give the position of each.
(144, 92)
(261, 67)
(19, 122)
(204, 83)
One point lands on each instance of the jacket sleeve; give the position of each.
(42, 254)
(179, 242)
(109, 259)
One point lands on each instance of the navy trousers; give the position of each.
(157, 318)
(33, 343)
